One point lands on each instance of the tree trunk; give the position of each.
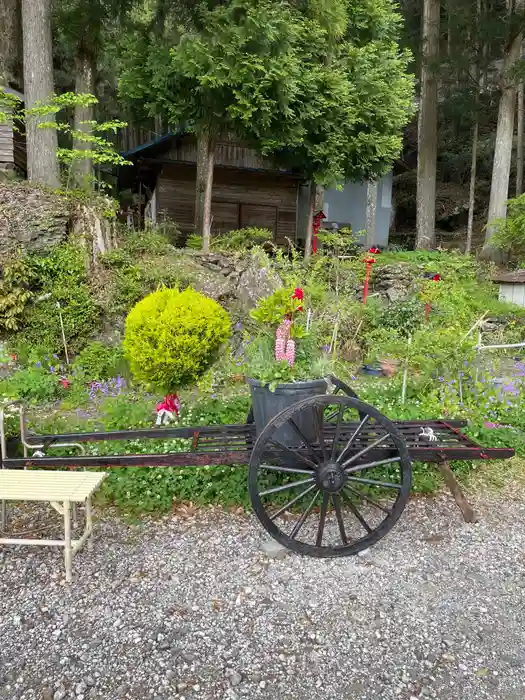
(520, 142)
(427, 128)
(499, 189)
(479, 78)
(10, 43)
(84, 84)
(371, 214)
(310, 221)
(42, 163)
(472, 193)
(204, 187)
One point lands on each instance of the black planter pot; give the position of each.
(267, 404)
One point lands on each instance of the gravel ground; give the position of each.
(191, 607)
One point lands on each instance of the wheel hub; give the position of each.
(331, 477)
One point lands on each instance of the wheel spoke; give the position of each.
(291, 503)
(322, 518)
(365, 450)
(298, 525)
(297, 430)
(384, 484)
(357, 514)
(284, 487)
(371, 465)
(295, 454)
(354, 436)
(288, 470)
(339, 515)
(337, 430)
(368, 499)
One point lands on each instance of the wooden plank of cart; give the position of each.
(329, 476)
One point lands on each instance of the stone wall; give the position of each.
(31, 218)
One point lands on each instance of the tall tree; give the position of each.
(82, 29)
(427, 127)
(10, 43)
(42, 163)
(499, 189)
(272, 74)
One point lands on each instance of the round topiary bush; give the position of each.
(172, 337)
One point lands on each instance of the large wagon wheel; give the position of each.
(334, 494)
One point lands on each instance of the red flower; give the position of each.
(374, 250)
(13, 357)
(299, 295)
(64, 382)
(436, 278)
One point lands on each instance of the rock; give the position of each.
(170, 675)
(31, 218)
(274, 550)
(47, 694)
(235, 679)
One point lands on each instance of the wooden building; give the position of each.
(247, 189)
(12, 140)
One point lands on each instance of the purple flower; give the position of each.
(52, 369)
(238, 326)
(55, 356)
(38, 365)
(325, 348)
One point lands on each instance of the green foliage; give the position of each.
(35, 384)
(271, 310)
(15, 283)
(404, 316)
(242, 239)
(98, 361)
(173, 337)
(260, 70)
(60, 280)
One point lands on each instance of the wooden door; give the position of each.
(259, 216)
(225, 217)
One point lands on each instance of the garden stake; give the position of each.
(405, 374)
(63, 332)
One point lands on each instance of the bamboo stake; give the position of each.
(405, 374)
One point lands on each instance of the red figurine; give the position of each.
(167, 409)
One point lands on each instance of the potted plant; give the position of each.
(285, 362)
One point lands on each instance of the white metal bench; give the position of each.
(61, 490)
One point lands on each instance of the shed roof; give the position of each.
(509, 276)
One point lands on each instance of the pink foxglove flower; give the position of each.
(290, 353)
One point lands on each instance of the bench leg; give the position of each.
(450, 480)
(89, 525)
(68, 552)
(3, 516)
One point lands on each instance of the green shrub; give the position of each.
(15, 281)
(172, 337)
(99, 361)
(243, 239)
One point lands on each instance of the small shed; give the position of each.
(12, 140)
(511, 286)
